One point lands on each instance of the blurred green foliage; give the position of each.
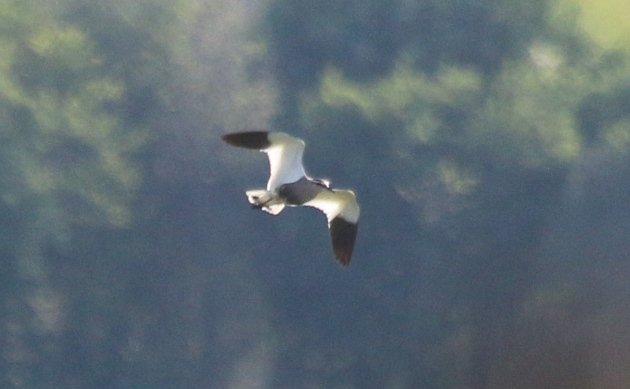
(64, 143)
(487, 141)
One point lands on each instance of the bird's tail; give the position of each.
(265, 200)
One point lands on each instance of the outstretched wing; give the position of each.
(284, 152)
(342, 211)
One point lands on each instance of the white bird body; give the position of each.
(289, 185)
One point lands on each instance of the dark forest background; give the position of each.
(488, 142)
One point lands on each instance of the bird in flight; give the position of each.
(289, 185)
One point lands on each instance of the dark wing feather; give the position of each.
(343, 235)
(257, 140)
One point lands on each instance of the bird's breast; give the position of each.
(299, 192)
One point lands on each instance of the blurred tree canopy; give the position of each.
(488, 142)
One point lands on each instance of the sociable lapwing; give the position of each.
(289, 185)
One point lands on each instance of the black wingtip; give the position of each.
(343, 234)
(257, 140)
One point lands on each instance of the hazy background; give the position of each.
(488, 142)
